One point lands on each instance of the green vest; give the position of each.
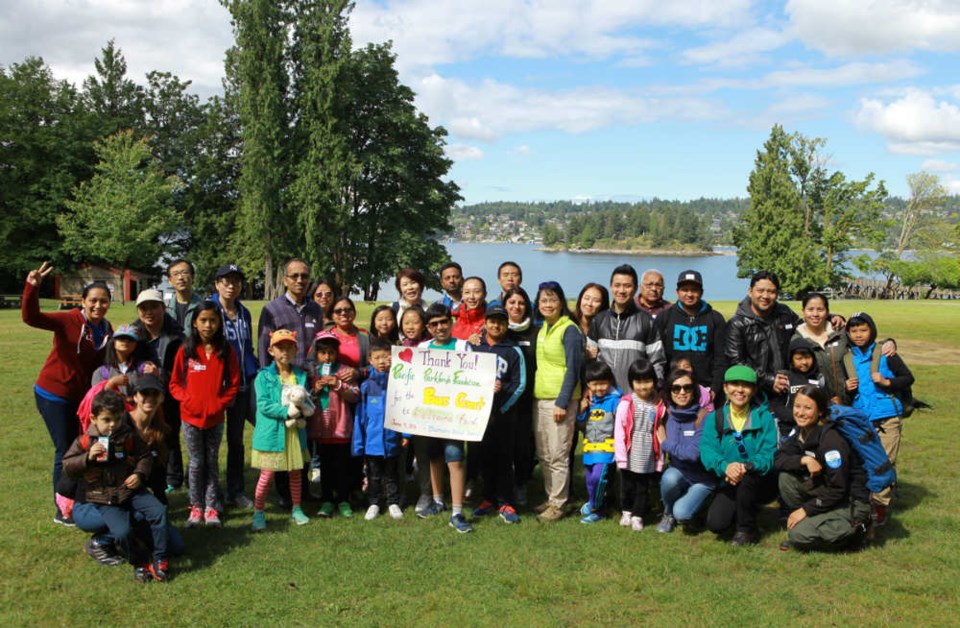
(552, 361)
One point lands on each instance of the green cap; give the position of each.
(740, 373)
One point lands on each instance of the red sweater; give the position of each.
(74, 357)
(202, 388)
(469, 322)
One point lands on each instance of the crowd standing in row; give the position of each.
(721, 416)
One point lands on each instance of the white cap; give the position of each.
(150, 294)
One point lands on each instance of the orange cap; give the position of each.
(283, 335)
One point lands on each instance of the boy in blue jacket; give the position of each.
(381, 447)
(598, 421)
(496, 449)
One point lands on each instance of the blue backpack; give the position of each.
(856, 427)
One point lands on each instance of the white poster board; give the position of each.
(443, 394)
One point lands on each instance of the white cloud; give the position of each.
(186, 37)
(848, 74)
(461, 152)
(742, 49)
(427, 33)
(915, 124)
(854, 27)
(490, 109)
(939, 165)
(523, 149)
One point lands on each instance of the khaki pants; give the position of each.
(553, 442)
(828, 530)
(889, 432)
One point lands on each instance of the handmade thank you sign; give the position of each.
(444, 394)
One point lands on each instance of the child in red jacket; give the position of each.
(205, 379)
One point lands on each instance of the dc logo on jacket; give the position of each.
(690, 338)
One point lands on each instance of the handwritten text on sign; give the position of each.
(445, 394)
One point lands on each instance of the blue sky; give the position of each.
(604, 99)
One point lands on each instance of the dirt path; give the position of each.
(927, 353)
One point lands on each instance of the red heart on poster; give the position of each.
(406, 355)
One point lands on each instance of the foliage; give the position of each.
(802, 219)
(124, 215)
(115, 100)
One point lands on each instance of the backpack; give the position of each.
(905, 396)
(856, 428)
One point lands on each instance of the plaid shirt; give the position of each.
(281, 313)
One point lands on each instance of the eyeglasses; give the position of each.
(299, 276)
(343, 310)
(231, 281)
(438, 323)
(682, 388)
(323, 295)
(549, 285)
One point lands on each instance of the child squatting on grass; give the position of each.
(114, 464)
(279, 437)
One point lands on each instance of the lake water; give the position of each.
(573, 270)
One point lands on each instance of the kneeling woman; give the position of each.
(737, 446)
(818, 481)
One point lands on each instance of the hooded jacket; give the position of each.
(270, 430)
(682, 443)
(511, 372)
(75, 354)
(469, 321)
(599, 428)
(239, 334)
(205, 385)
(622, 337)
(877, 401)
(759, 438)
(830, 360)
(700, 338)
(782, 405)
(370, 437)
(761, 342)
(103, 480)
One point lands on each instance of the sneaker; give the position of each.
(141, 573)
(593, 517)
(520, 495)
(551, 513)
(241, 501)
(785, 545)
(372, 513)
(298, 516)
(486, 507)
(195, 518)
(540, 508)
(423, 502)
(63, 520)
(468, 491)
(586, 509)
(434, 508)
(459, 523)
(345, 510)
(314, 476)
(170, 488)
(625, 519)
(667, 524)
(160, 570)
(742, 538)
(636, 524)
(259, 521)
(326, 510)
(104, 553)
(395, 511)
(879, 515)
(212, 518)
(509, 515)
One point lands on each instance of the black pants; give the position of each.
(237, 416)
(738, 505)
(336, 471)
(524, 449)
(496, 454)
(171, 414)
(635, 491)
(384, 471)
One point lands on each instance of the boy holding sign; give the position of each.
(440, 324)
(498, 440)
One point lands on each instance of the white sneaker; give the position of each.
(625, 519)
(395, 511)
(636, 523)
(242, 501)
(315, 476)
(372, 513)
(423, 502)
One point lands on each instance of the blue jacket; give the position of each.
(269, 433)
(240, 336)
(682, 442)
(370, 437)
(600, 420)
(876, 401)
(511, 371)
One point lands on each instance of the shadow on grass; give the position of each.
(906, 497)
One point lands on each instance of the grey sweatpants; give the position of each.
(203, 473)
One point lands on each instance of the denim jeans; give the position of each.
(118, 521)
(63, 426)
(89, 519)
(681, 498)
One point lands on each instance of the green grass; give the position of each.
(357, 572)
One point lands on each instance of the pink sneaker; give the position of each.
(212, 518)
(195, 518)
(625, 519)
(636, 523)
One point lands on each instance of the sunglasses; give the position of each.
(681, 388)
(438, 323)
(343, 310)
(738, 438)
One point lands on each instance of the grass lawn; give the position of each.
(411, 571)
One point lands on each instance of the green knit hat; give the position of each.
(740, 373)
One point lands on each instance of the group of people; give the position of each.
(719, 417)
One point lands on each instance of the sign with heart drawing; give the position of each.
(443, 394)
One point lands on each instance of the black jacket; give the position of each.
(700, 338)
(761, 343)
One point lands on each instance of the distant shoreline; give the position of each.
(645, 252)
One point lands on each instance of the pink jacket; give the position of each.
(335, 424)
(623, 428)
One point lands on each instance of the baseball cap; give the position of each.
(283, 335)
(496, 310)
(147, 382)
(690, 276)
(228, 269)
(150, 294)
(126, 331)
(740, 373)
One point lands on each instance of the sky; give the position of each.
(598, 99)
